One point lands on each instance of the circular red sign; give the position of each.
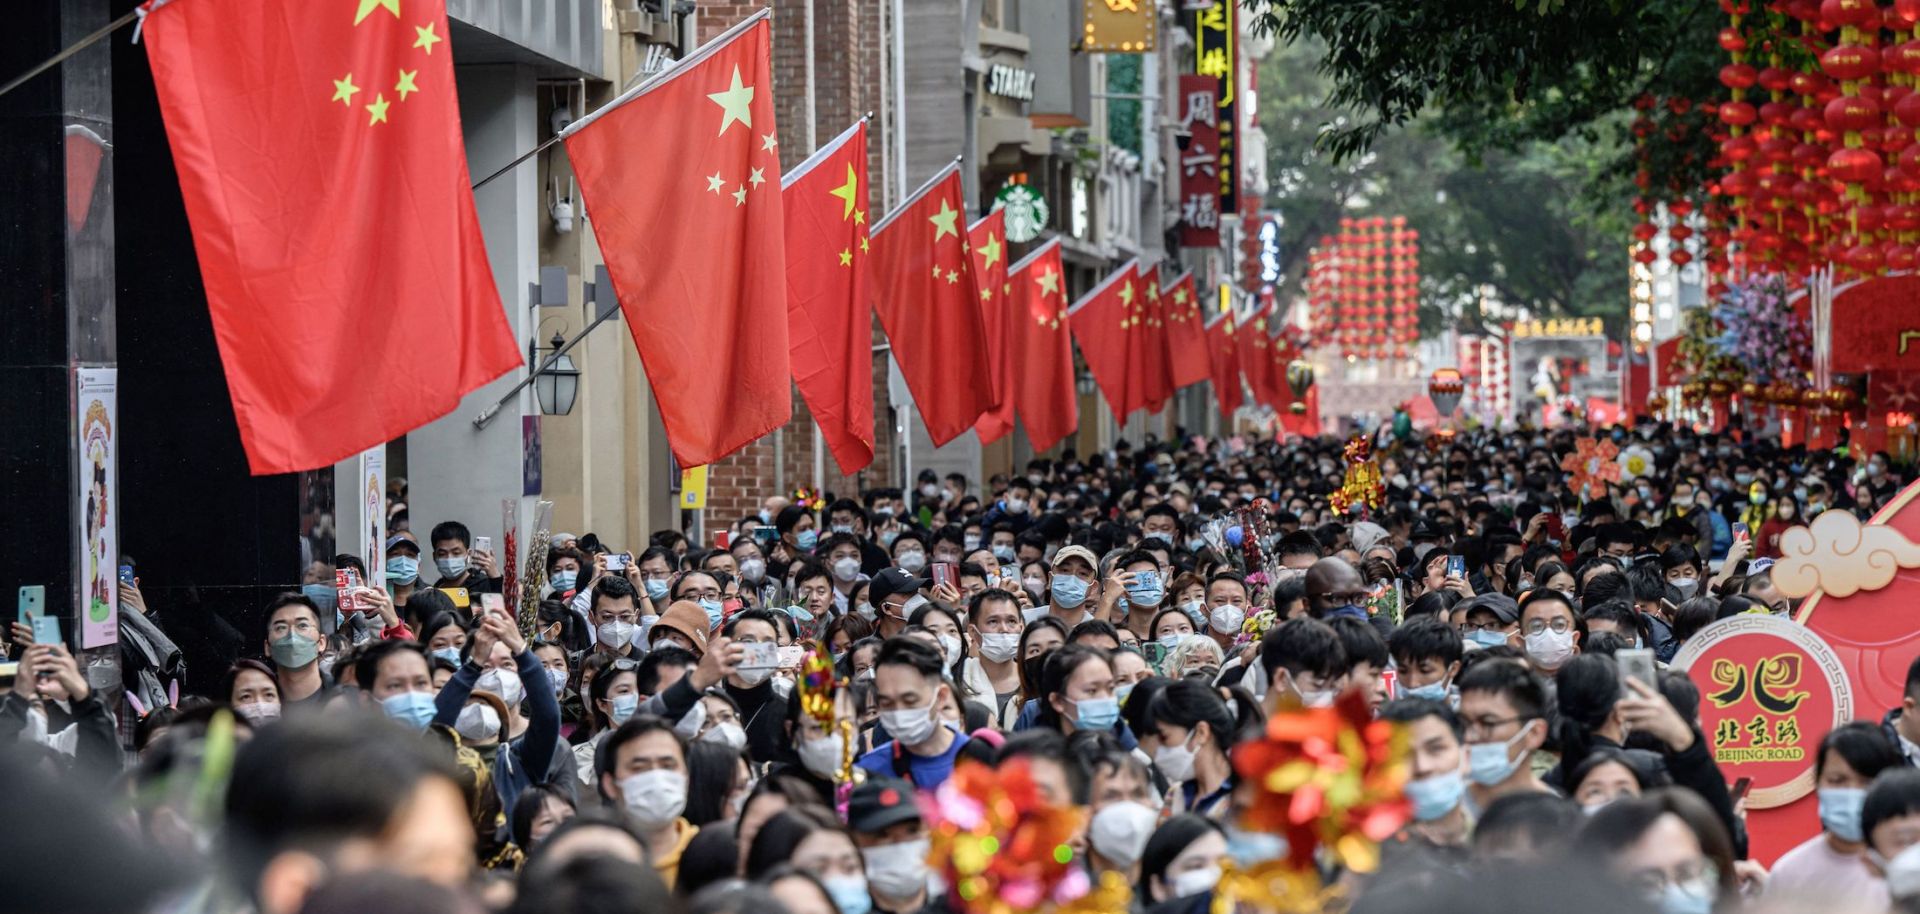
(1769, 691)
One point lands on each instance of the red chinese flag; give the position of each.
(829, 316)
(1258, 358)
(1223, 363)
(1186, 338)
(1146, 340)
(1101, 322)
(923, 289)
(325, 181)
(1044, 391)
(681, 177)
(988, 242)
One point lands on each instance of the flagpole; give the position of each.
(938, 176)
(813, 145)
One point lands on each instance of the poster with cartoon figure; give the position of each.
(373, 512)
(98, 487)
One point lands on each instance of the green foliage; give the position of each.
(1123, 115)
(1505, 74)
(1506, 222)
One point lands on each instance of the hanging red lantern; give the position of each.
(1855, 166)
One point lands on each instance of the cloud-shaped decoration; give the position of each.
(1839, 556)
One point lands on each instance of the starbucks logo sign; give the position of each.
(1026, 211)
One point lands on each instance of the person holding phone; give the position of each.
(53, 705)
(459, 564)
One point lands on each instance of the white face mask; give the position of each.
(949, 650)
(822, 756)
(478, 722)
(505, 685)
(1549, 649)
(616, 634)
(1175, 762)
(999, 647)
(1193, 882)
(259, 712)
(1227, 618)
(911, 726)
(897, 871)
(730, 735)
(1119, 831)
(846, 570)
(654, 798)
(911, 560)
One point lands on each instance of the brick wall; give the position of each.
(848, 38)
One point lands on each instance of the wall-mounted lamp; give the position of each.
(558, 382)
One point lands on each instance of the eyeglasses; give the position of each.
(1560, 625)
(1654, 881)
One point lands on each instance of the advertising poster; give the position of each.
(373, 512)
(95, 423)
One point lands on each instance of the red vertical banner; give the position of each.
(1200, 162)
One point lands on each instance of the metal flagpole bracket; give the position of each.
(487, 414)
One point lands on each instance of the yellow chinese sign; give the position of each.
(1216, 54)
(1126, 26)
(1559, 326)
(693, 488)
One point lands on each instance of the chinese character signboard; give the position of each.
(1125, 26)
(1770, 689)
(1199, 112)
(1216, 55)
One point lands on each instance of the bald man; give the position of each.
(1335, 588)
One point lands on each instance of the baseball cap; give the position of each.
(1499, 604)
(1076, 552)
(880, 804)
(403, 537)
(892, 581)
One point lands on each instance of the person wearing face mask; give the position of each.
(1197, 729)
(293, 641)
(1304, 659)
(1138, 577)
(1426, 654)
(762, 708)
(1831, 867)
(641, 770)
(1073, 585)
(1182, 860)
(1503, 708)
(909, 689)
(1785, 516)
(1014, 508)
(1551, 630)
(910, 552)
(1227, 606)
(403, 566)
(798, 533)
(1436, 789)
(564, 569)
(846, 516)
(893, 844)
(522, 743)
(1123, 806)
(1335, 588)
(1667, 845)
(458, 563)
(1683, 571)
(1076, 691)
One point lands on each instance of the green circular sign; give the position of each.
(1026, 211)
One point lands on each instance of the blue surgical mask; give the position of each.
(564, 580)
(415, 709)
(1490, 763)
(713, 609)
(1096, 713)
(1146, 595)
(1840, 811)
(1432, 691)
(807, 539)
(656, 588)
(1435, 796)
(402, 568)
(624, 706)
(849, 893)
(1487, 638)
(449, 654)
(1068, 591)
(1197, 543)
(1693, 897)
(1120, 693)
(1252, 848)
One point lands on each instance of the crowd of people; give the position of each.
(639, 743)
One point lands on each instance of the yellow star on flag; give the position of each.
(1049, 282)
(943, 222)
(953, 276)
(986, 295)
(715, 182)
(377, 110)
(405, 85)
(1126, 294)
(739, 195)
(343, 90)
(1180, 295)
(936, 272)
(735, 103)
(846, 257)
(860, 218)
(423, 37)
(1153, 290)
(991, 249)
(863, 245)
(756, 179)
(767, 142)
(847, 191)
(368, 6)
